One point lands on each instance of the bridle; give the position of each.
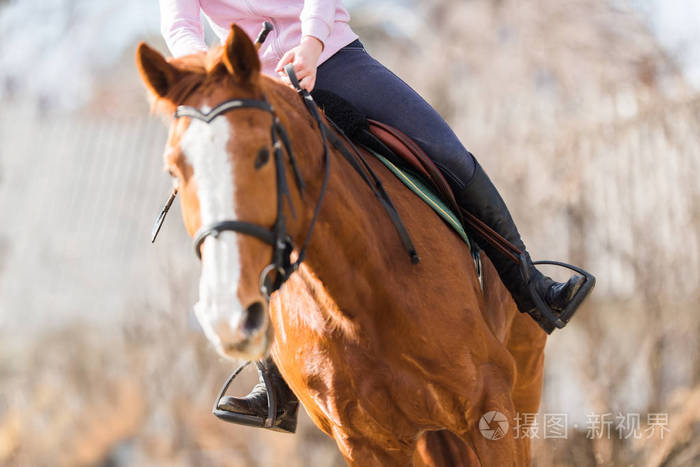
(277, 236)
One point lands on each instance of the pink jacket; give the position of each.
(327, 20)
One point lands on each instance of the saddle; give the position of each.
(401, 150)
(385, 140)
(415, 158)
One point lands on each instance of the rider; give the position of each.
(314, 35)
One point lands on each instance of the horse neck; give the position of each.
(353, 239)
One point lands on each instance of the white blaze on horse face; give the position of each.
(219, 310)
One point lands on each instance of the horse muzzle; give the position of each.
(247, 336)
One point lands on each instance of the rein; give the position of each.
(277, 235)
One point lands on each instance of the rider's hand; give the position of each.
(304, 57)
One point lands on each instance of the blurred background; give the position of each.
(585, 112)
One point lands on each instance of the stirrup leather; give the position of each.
(553, 319)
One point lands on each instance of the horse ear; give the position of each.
(240, 56)
(157, 74)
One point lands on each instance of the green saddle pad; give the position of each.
(416, 184)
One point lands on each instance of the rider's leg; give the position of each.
(481, 198)
(255, 403)
(375, 91)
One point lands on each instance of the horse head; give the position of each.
(223, 171)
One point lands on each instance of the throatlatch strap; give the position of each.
(311, 106)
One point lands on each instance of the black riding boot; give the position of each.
(255, 403)
(481, 198)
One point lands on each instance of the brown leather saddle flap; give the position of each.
(405, 148)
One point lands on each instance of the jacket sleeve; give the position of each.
(181, 26)
(317, 18)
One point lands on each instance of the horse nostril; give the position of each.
(255, 317)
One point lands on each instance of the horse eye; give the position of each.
(263, 158)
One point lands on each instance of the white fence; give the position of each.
(78, 196)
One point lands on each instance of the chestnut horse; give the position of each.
(397, 362)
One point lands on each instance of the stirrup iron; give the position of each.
(556, 320)
(245, 419)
